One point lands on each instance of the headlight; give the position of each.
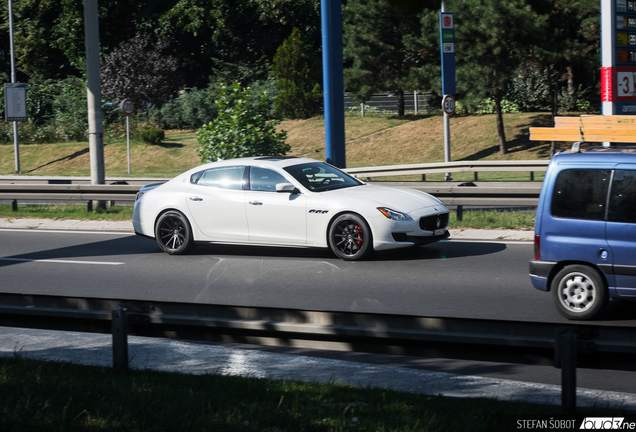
(394, 215)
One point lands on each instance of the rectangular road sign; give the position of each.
(15, 107)
(447, 48)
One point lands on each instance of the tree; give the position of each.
(494, 37)
(298, 74)
(241, 128)
(376, 54)
(139, 71)
(35, 55)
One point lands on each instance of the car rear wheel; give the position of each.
(350, 237)
(173, 233)
(579, 292)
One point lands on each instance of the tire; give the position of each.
(579, 292)
(173, 233)
(350, 237)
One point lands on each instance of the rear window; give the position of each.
(581, 194)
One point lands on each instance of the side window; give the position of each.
(262, 179)
(223, 178)
(622, 207)
(581, 194)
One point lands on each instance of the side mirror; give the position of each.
(287, 188)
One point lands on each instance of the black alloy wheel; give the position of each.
(350, 237)
(173, 233)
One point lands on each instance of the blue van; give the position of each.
(585, 230)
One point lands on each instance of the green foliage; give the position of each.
(191, 109)
(378, 52)
(152, 135)
(241, 129)
(531, 92)
(298, 74)
(488, 107)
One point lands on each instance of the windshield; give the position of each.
(321, 177)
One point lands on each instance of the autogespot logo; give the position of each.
(607, 423)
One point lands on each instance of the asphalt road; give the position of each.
(452, 278)
(448, 279)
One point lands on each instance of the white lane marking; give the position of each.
(69, 231)
(62, 261)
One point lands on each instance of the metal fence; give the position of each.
(417, 102)
(562, 345)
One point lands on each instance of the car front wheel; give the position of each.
(350, 237)
(173, 233)
(579, 292)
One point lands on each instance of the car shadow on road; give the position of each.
(113, 248)
(441, 250)
(131, 245)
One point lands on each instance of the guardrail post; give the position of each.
(565, 358)
(14, 205)
(460, 212)
(531, 175)
(120, 339)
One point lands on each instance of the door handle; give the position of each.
(256, 203)
(196, 199)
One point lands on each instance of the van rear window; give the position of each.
(581, 194)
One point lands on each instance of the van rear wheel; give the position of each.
(579, 292)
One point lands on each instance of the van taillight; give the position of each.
(537, 247)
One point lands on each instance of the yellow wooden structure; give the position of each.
(587, 128)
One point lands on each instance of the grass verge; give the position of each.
(66, 211)
(48, 396)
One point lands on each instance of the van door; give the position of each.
(621, 229)
(573, 228)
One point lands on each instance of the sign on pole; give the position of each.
(447, 45)
(447, 48)
(127, 107)
(15, 102)
(448, 104)
(618, 57)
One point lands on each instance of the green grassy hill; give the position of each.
(370, 141)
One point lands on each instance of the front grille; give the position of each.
(434, 222)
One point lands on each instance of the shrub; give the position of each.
(190, 110)
(241, 128)
(152, 136)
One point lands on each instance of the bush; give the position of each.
(152, 136)
(190, 110)
(241, 128)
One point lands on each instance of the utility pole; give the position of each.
(333, 84)
(447, 42)
(94, 90)
(13, 81)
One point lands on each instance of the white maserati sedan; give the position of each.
(285, 201)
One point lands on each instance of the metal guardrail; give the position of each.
(451, 193)
(459, 166)
(562, 345)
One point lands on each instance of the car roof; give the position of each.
(614, 154)
(262, 161)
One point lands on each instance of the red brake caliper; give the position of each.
(359, 231)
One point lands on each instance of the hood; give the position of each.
(400, 199)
